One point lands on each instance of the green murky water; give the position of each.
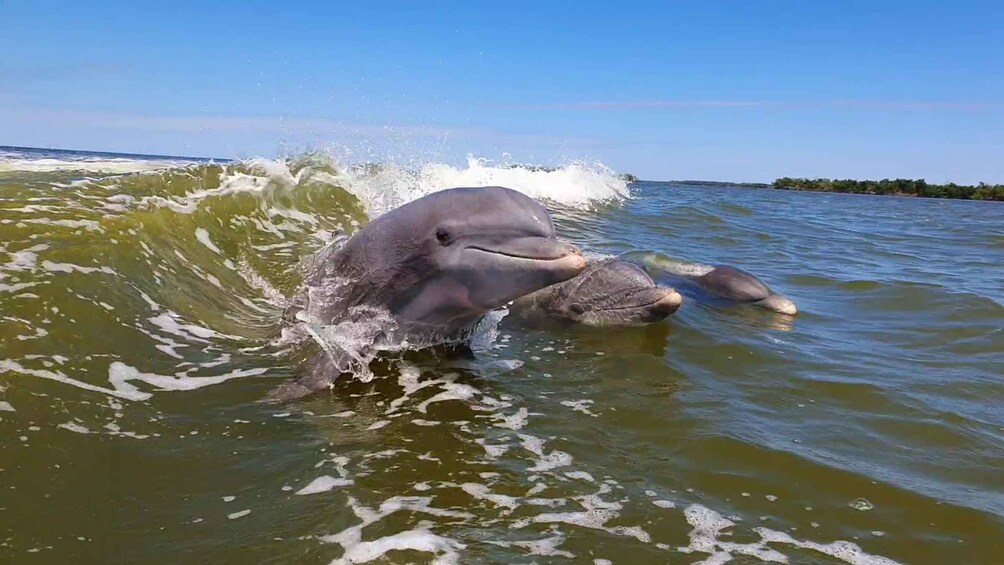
(138, 332)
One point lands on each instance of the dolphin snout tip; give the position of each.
(571, 257)
(565, 264)
(788, 308)
(673, 298)
(576, 259)
(779, 304)
(669, 302)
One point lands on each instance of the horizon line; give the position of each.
(621, 174)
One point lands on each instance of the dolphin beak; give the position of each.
(497, 270)
(537, 248)
(563, 260)
(779, 304)
(669, 303)
(571, 263)
(647, 306)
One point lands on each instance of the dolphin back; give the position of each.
(734, 284)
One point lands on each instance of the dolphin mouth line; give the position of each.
(632, 307)
(654, 302)
(518, 256)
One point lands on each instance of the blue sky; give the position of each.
(671, 90)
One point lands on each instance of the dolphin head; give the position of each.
(735, 284)
(449, 257)
(614, 292)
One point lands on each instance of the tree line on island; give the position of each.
(889, 187)
(895, 187)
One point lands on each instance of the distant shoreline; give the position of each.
(895, 187)
(885, 187)
(112, 154)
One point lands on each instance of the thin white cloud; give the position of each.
(15, 74)
(196, 124)
(277, 125)
(970, 105)
(668, 104)
(244, 136)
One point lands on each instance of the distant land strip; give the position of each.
(888, 187)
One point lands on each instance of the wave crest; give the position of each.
(577, 184)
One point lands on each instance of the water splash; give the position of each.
(576, 184)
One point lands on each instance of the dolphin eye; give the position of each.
(443, 236)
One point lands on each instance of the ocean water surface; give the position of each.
(139, 308)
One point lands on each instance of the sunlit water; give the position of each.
(139, 301)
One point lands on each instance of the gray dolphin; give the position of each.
(427, 272)
(607, 293)
(723, 281)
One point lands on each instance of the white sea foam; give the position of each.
(130, 393)
(597, 512)
(89, 225)
(482, 492)
(168, 323)
(420, 538)
(103, 165)
(843, 550)
(69, 268)
(384, 188)
(119, 374)
(203, 236)
(75, 427)
(323, 484)
(452, 391)
(544, 461)
(408, 378)
(515, 421)
(545, 547)
(581, 475)
(709, 526)
(24, 260)
(581, 406)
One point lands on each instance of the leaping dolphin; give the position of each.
(432, 267)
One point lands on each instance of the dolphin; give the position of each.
(610, 292)
(722, 281)
(425, 273)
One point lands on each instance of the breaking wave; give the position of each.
(212, 251)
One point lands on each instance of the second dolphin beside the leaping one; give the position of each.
(617, 292)
(609, 292)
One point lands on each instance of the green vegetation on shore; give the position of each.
(897, 187)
